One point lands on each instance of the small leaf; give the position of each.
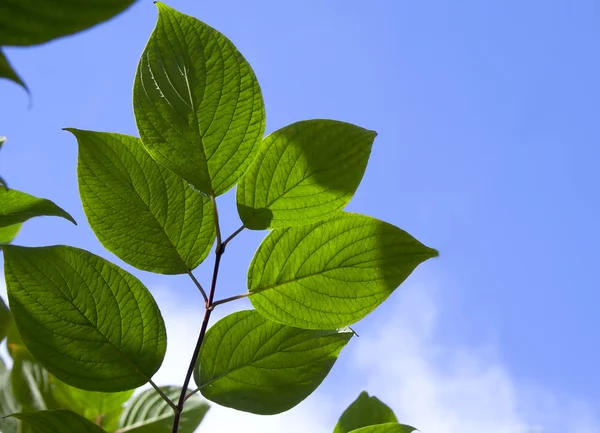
(332, 273)
(252, 364)
(304, 173)
(149, 413)
(57, 421)
(18, 207)
(8, 233)
(140, 211)
(363, 412)
(392, 427)
(6, 320)
(6, 71)
(197, 103)
(98, 407)
(30, 22)
(88, 322)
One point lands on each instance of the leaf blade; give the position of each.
(7, 71)
(18, 207)
(386, 428)
(69, 306)
(364, 411)
(30, 22)
(252, 364)
(139, 210)
(303, 173)
(149, 413)
(197, 103)
(53, 421)
(332, 273)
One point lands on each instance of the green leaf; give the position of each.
(30, 22)
(304, 173)
(140, 211)
(30, 383)
(332, 273)
(99, 407)
(8, 403)
(364, 411)
(197, 103)
(87, 321)
(8, 233)
(18, 207)
(57, 421)
(392, 427)
(252, 364)
(6, 70)
(6, 320)
(149, 413)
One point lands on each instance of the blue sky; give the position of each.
(487, 150)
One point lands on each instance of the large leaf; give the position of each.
(197, 103)
(363, 412)
(103, 408)
(304, 173)
(8, 233)
(332, 273)
(29, 22)
(7, 71)
(18, 207)
(88, 322)
(149, 413)
(142, 212)
(57, 421)
(252, 364)
(392, 427)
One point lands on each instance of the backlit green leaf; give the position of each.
(88, 322)
(8, 233)
(99, 407)
(149, 413)
(332, 273)
(252, 364)
(142, 212)
(8, 403)
(30, 383)
(6, 70)
(364, 411)
(392, 427)
(197, 103)
(57, 421)
(18, 207)
(29, 22)
(304, 173)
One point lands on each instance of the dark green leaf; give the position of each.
(252, 364)
(332, 273)
(57, 421)
(88, 322)
(363, 412)
(6, 320)
(6, 70)
(197, 103)
(149, 413)
(18, 207)
(304, 173)
(391, 427)
(8, 233)
(30, 22)
(142, 212)
(99, 407)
